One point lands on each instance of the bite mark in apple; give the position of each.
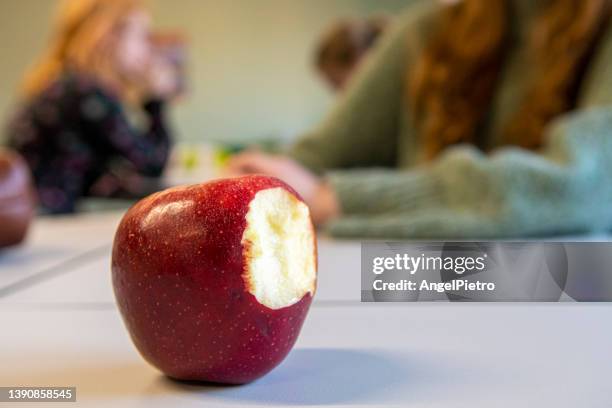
(280, 265)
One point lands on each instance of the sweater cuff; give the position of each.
(385, 191)
(154, 107)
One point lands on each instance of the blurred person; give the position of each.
(16, 201)
(474, 119)
(72, 128)
(343, 46)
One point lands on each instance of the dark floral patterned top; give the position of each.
(77, 141)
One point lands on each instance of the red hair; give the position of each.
(451, 86)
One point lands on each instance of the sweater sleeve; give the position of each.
(362, 129)
(465, 194)
(146, 152)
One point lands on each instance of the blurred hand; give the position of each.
(284, 168)
(318, 195)
(162, 81)
(16, 199)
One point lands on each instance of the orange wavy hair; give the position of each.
(452, 84)
(81, 41)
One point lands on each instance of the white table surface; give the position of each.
(60, 327)
(57, 243)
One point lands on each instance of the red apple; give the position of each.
(16, 198)
(214, 280)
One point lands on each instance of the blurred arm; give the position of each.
(146, 153)
(466, 194)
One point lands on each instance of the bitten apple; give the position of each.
(214, 280)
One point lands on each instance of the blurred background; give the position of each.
(250, 63)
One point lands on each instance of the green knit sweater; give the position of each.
(369, 151)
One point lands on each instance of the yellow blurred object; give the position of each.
(221, 157)
(190, 159)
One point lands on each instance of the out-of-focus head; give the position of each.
(106, 39)
(343, 46)
(132, 43)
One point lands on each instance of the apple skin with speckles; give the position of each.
(178, 264)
